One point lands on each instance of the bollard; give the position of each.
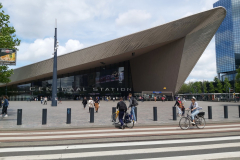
(239, 111)
(91, 115)
(225, 111)
(209, 112)
(44, 116)
(174, 113)
(135, 112)
(114, 111)
(19, 117)
(68, 115)
(154, 113)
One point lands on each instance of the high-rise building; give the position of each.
(228, 40)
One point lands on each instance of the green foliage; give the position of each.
(219, 88)
(5, 73)
(8, 37)
(184, 89)
(211, 88)
(237, 83)
(205, 87)
(215, 79)
(227, 85)
(9, 40)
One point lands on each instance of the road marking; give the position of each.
(120, 144)
(122, 133)
(110, 130)
(200, 157)
(123, 152)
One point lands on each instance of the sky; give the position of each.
(83, 23)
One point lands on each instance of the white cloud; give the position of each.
(42, 49)
(133, 18)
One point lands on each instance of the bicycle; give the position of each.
(127, 120)
(200, 122)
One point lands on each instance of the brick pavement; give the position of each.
(56, 116)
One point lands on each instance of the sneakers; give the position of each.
(192, 122)
(6, 115)
(135, 122)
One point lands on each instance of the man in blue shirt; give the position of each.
(5, 106)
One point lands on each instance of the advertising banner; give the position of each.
(8, 56)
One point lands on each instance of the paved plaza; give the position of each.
(56, 116)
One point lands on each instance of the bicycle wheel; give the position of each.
(200, 122)
(130, 125)
(113, 117)
(184, 123)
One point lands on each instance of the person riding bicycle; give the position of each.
(122, 107)
(194, 109)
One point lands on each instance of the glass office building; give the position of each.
(228, 40)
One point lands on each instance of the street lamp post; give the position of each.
(54, 80)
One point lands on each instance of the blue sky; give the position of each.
(82, 23)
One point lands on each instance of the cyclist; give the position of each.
(122, 109)
(194, 109)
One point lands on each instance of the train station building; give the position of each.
(154, 61)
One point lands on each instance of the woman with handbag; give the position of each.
(90, 104)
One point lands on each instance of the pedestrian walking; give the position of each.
(163, 99)
(122, 107)
(155, 98)
(84, 102)
(96, 104)
(45, 101)
(90, 104)
(5, 106)
(132, 105)
(41, 99)
(179, 106)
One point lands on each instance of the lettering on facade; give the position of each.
(64, 89)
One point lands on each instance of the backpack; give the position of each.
(134, 102)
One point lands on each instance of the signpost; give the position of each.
(8, 56)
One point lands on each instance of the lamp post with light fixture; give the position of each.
(54, 79)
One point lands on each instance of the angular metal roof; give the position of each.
(197, 29)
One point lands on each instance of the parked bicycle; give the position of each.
(128, 122)
(185, 122)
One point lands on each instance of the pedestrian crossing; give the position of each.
(169, 149)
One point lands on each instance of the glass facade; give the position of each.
(111, 80)
(228, 38)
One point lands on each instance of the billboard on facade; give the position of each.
(8, 56)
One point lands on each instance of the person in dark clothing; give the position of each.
(96, 104)
(5, 106)
(179, 107)
(122, 107)
(84, 102)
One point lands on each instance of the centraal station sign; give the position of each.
(64, 89)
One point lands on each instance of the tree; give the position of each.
(237, 83)
(219, 88)
(227, 85)
(8, 37)
(211, 88)
(216, 79)
(9, 40)
(205, 89)
(5, 74)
